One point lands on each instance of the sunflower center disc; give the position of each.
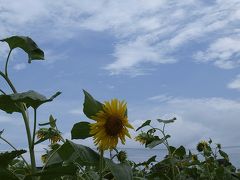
(113, 126)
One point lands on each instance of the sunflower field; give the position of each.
(109, 126)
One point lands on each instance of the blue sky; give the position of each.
(165, 58)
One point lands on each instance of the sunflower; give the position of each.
(142, 138)
(202, 145)
(49, 133)
(111, 124)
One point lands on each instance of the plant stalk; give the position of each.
(28, 131)
(101, 164)
(6, 65)
(34, 128)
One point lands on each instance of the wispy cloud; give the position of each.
(197, 118)
(19, 66)
(147, 32)
(77, 111)
(224, 53)
(160, 98)
(235, 84)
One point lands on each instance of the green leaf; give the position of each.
(146, 123)
(223, 154)
(71, 152)
(81, 130)
(26, 44)
(93, 174)
(55, 172)
(8, 105)
(220, 172)
(91, 106)
(172, 149)
(166, 121)
(180, 152)
(7, 157)
(150, 160)
(155, 143)
(52, 121)
(32, 98)
(120, 171)
(6, 174)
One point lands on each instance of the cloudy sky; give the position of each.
(165, 58)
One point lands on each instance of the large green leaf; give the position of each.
(81, 130)
(8, 105)
(119, 171)
(158, 141)
(32, 98)
(180, 152)
(223, 154)
(7, 157)
(91, 106)
(5, 174)
(71, 152)
(56, 172)
(26, 44)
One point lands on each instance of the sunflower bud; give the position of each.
(202, 145)
(122, 156)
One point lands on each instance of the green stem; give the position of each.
(26, 122)
(6, 64)
(30, 146)
(168, 148)
(34, 128)
(8, 81)
(101, 164)
(6, 141)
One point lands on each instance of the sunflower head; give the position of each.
(202, 145)
(49, 133)
(111, 124)
(194, 157)
(122, 156)
(144, 138)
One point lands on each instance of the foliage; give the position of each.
(210, 162)
(65, 159)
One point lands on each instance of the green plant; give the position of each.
(66, 160)
(209, 163)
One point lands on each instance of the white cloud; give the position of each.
(224, 53)
(235, 84)
(129, 56)
(77, 111)
(19, 66)
(197, 118)
(146, 32)
(160, 98)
